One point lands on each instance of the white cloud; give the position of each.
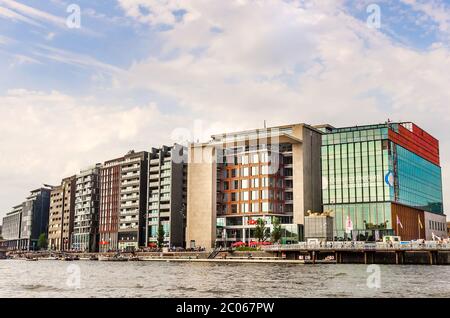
(10, 14)
(46, 136)
(32, 13)
(291, 62)
(437, 11)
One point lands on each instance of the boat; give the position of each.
(115, 258)
(31, 259)
(93, 258)
(71, 258)
(134, 258)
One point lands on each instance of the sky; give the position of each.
(136, 74)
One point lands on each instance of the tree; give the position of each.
(261, 233)
(276, 232)
(161, 234)
(42, 241)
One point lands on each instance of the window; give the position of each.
(264, 169)
(245, 172)
(245, 196)
(255, 195)
(264, 194)
(244, 184)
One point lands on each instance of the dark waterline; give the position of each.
(164, 279)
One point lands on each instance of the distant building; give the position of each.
(382, 179)
(27, 221)
(61, 216)
(87, 205)
(11, 227)
(35, 213)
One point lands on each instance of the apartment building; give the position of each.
(237, 178)
(87, 205)
(123, 202)
(167, 195)
(61, 216)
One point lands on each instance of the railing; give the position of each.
(357, 246)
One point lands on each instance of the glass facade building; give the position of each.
(366, 169)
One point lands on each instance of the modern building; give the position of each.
(11, 227)
(167, 195)
(34, 222)
(87, 205)
(123, 202)
(61, 216)
(27, 221)
(237, 178)
(382, 179)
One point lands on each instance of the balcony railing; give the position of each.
(357, 246)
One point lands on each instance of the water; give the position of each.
(163, 279)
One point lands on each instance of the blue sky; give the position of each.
(139, 72)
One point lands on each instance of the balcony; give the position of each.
(129, 205)
(130, 182)
(153, 184)
(132, 168)
(129, 198)
(164, 207)
(154, 169)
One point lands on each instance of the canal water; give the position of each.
(168, 279)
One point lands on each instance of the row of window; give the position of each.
(253, 171)
(253, 183)
(253, 207)
(355, 136)
(252, 195)
(438, 226)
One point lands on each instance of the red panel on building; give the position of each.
(416, 140)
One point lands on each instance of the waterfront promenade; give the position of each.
(431, 253)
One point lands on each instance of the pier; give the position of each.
(364, 253)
